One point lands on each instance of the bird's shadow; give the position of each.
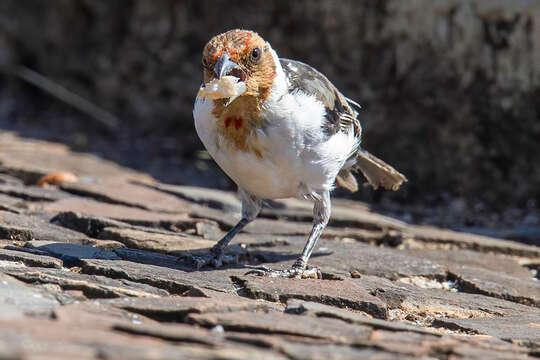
(74, 254)
(177, 260)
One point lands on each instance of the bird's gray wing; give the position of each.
(340, 111)
(340, 115)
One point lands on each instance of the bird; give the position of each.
(279, 129)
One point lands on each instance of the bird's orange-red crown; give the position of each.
(236, 42)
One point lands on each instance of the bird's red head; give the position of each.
(243, 54)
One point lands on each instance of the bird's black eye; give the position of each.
(255, 54)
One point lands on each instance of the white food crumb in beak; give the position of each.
(226, 87)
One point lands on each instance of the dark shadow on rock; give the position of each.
(170, 261)
(265, 256)
(71, 254)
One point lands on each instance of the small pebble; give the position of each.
(218, 329)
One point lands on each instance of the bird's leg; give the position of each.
(251, 206)
(321, 215)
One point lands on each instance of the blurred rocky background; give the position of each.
(450, 89)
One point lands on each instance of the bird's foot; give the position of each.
(215, 258)
(296, 272)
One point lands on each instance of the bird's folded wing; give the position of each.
(340, 111)
(377, 172)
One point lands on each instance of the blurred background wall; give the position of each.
(450, 89)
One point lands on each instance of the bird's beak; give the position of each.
(226, 67)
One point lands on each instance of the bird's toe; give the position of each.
(293, 272)
(311, 273)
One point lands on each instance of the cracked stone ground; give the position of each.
(88, 270)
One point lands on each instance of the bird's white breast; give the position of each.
(269, 176)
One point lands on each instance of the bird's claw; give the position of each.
(293, 272)
(213, 258)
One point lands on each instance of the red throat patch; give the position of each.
(236, 124)
(237, 121)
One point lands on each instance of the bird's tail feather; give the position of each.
(346, 179)
(377, 172)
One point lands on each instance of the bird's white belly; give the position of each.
(270, 177)
(290, 163)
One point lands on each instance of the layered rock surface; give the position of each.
(89, 270)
